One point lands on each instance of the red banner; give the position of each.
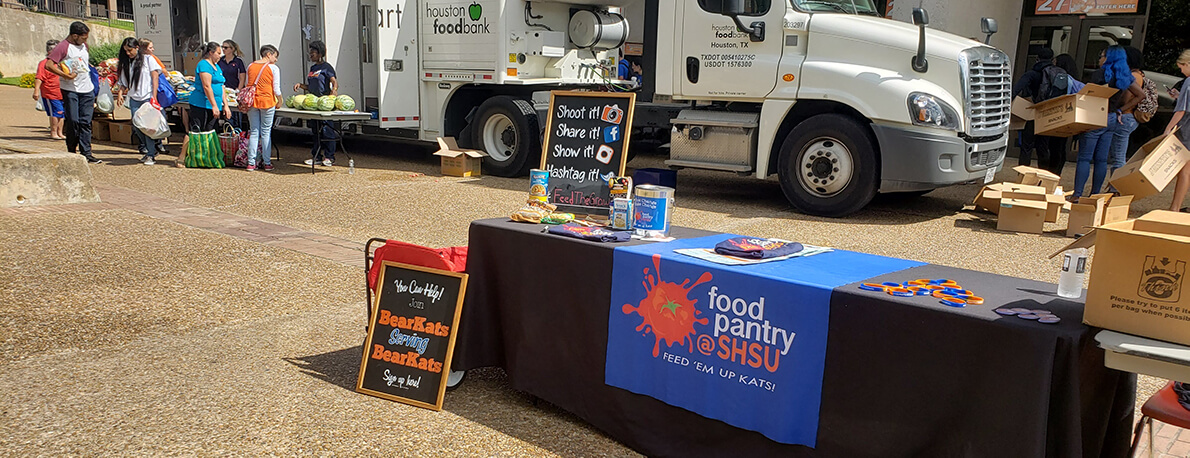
(1085, 6)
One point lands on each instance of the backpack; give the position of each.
(1147, 107)
(1054, 82)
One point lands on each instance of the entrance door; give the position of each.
(1100, 33)
(1060, 34)
(368, 54)
(718, 61)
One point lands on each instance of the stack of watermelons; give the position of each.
(324, 103)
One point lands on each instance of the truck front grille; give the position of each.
(987, 89)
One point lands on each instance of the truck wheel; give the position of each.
(506, 128)
(828, 166)
(454, 379)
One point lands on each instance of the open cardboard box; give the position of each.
(1022, 112)
(1072, 114)
(1021, 215)
(1154, 165)
(989, 197)
(459, 162)
(1053, 202)
(1137, 276)
(1037, 177)
(1086, 214)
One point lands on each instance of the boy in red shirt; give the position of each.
(48, 93)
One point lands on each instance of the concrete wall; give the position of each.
(23, 36)
(962, 18)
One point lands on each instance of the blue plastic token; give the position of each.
(1028, 316)
(1049, 319)
(1006, 312)
(1042, 312)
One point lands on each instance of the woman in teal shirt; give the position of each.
(207, 102)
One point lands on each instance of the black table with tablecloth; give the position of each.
(903, 376)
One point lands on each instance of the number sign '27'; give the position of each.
(1085, 6)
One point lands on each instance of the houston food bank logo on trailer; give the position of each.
(455, 18)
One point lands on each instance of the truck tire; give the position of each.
(506, 128)
(828, 166)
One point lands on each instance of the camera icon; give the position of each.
(612, 114)
(605, 154)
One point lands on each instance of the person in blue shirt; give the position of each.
(208, 101)
(321, 81)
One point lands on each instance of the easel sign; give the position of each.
(411, 335)
(586, 142)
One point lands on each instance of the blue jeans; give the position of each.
(79, 107)
(1119, 144)
(261, 135)
(147, 146)
(1094, 146)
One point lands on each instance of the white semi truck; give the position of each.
(837, 103)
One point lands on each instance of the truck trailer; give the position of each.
(838, 103)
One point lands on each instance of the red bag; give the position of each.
(246, 97)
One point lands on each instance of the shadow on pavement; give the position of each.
(339, 367)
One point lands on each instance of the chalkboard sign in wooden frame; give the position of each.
(586, 139)
(411, 335)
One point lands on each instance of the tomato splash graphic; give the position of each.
(667, 310)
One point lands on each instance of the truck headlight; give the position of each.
(926, 110)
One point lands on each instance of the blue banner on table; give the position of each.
(741, 344)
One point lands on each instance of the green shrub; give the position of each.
(104, 52)
(27, 80)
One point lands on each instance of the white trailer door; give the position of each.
(719, 62)
(398, 70)
(278, 24)
(231, 20)
(341, 18)
(153, 21)
(369, 56)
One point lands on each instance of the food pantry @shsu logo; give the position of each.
(739, 334)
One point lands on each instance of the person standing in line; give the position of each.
(206, 102)
(1095, 145)
(1028, 86)
(232, 66)
(137, 78)
(1126, 121)
(146, 47)
(1058, 145)
(70, 60)
(1181, 122)
(47, 92)
(266, 80)
(319, 82)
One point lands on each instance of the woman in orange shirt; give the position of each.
(266, 79)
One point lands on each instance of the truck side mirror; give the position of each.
(988, 26)
(920, 19)
(735, 8)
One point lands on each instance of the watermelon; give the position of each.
(326, 103)
(310, 103)
(298, 101)
(344, 103)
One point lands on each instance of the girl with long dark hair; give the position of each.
(138, 79)
(1094, 146)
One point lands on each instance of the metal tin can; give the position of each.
(621, 217)
(539, 181)
(652, 207)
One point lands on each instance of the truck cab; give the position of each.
(837, 102)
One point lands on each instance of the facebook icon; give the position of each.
(611, 134)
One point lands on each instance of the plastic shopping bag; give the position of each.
(104, 103)
(150, 121)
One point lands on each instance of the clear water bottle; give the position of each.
(1074, 273)
(351, 166)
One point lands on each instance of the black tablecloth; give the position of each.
(903, 376)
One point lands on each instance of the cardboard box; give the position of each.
(99, 130)
(1022, 215)
(190, 62)
(120, 131)
(1022, 112)
(1037, 177)
(1116, 209)
(1138, 276)
(459, 162)
(1153, 166)
(1086, 214)
(1053, 202)
(989, 197)
(1072, 114)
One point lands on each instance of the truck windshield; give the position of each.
(837, 6)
